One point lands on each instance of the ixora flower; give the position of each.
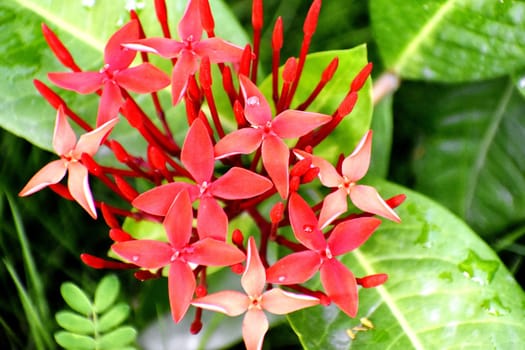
(354, 167)
(189, 50)
(70, 151)
(178, 254)
(338, 281)
(255, 301)
(197, 157)
(143, 78)
(268, 134)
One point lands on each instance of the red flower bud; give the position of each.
(295, 182)
(237, 238)
(371, 281)
(361, 78)
(301, 167)
(257, 14)
(208, 24)
(119, 151)
(91, 165)
(277, 35)
(290, 70)
(144, 275)
(127, 191)
(195, 327)
(310, 23)
(237, 268)
(108, 216)
(200, 291)
(119, 235)
(99, 263)
(310, 175)
(276, 213)
(51, 97)
(59, 49)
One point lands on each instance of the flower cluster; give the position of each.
(216, 174)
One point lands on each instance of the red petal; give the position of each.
(158, 200)
(334, 205)
(64, 138)
(90, 142)
(110, 102)
(351, 234)
(229, 302)
(167, 48)
(211, 252)
(211, 219)
(143, 79)
(190, 26)
(254, 276)
(78, 185)
(340, 285)
(81, 82)
(292, 124)
(179, 220)
(145, 253)
(239, 183)
(327, 172)
(294, 268)
(275, 157)
(256, 108)
(243, 141)
(304, 223)
(254, 327)
(51, 173)
(280, 302)
(117, 56)
(181, 284)
(219, 50)
(197, 152)
(368, 200)
(356, 164)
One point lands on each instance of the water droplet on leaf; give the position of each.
(477, 269)
(252, 101)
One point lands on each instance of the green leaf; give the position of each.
(106, 293)
(76, 298)
(74, 322)
(75, 341)
(449, 40)
(446, 288)
(119, 337)
(113, 317)
(353, 127)
(479, 129)
(382, 125)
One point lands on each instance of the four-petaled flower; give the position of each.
(144, 78)
(189, 50)
(268, 134)
(354, 167)
(197, 157)
(338, 281)
(70, 151)
(179, 254)
(255, 301)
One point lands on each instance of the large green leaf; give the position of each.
(478, 131)
(84, 27)
(446, 289)
(450, 40)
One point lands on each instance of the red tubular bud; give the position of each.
(361, 77)
(91, 165)
(99, 263)
(205, 73)
(372, 280)
(129, 110)
(396, 201)
(237, 238)
(295, 182)
(195, 327)
(201, 291)
(127, 191)
(59, 49)
(301, 167)
(160, 10)
(108, 216)
(118, 235)
(246, 60)
(310, 23)
(257, 14)
(119, 151)
(237, 268)
(207, 17)
(144, 275)
(62, 191)
(329, 71)
(156, 158)
(238, 111)
(276, 213)
(51, 97)
(347, 105)
(290, 70)
(310, 175)
(277, 35)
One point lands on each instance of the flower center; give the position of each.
(347, 184)
(255, 302)
(203, 188)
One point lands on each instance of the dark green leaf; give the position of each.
(74, 322)
(448, 40)
(446, 289)
(106, 293)
(113, 317)
(76, 298)
(74, 341)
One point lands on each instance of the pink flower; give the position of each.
(179, 254)
(354, 167)
(268, 134)
(338, 281)
(197, 158)
(255, 301)
(189, 50)
(144, 78)
(70, 151)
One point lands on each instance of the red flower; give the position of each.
(197, 157)
(234, 303)
(268, 134)
(70, 151)
(179, 254)
(354, 167)
(144, 78)
(190, 50)
(338, 281)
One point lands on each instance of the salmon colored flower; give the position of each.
(190, 50)
(268, 134)
(254, 301)
(338, 281)
(144, 78)
(178, 254)
(354, 168)
(70, 151)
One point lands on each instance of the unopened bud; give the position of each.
(237, 237)
(237, 268)
(195, 327)
(371, 281)
(108, 216)
(200, 291)
(119, 235)
(310, 175)
(126, 190)
(301, 167)
(276, 213)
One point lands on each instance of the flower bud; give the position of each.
(371, 281)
